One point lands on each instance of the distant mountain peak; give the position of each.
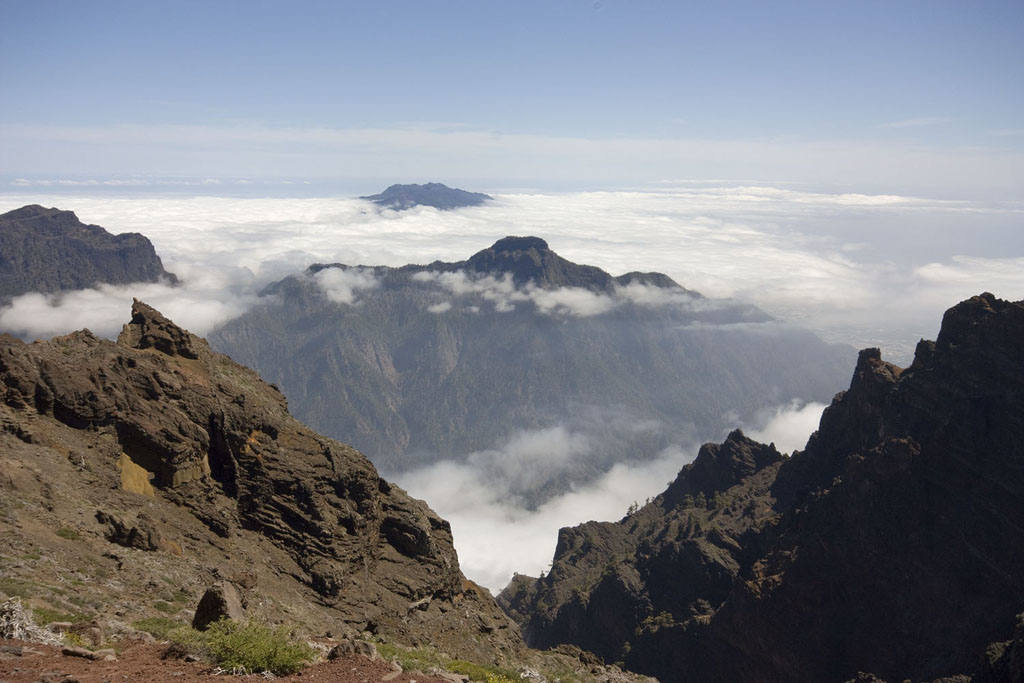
(437, 195)
(514, 243)
(34, 210)
(50, 249)
(530, 259)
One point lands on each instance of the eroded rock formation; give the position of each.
(191, 455)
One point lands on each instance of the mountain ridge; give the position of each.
(890, 544)
(422, 362)
(527, 260)
(49, 250)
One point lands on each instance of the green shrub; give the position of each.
(15, 588)
(45, 615)
(425, 659)
(158, 627)
(165, 607)
(251, 647)
(68, 533)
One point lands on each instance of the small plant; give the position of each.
(158, 627)
(249, 647)
(16, 588)
(45, 615)
(68, 533)
(425, 659)
(165, 607)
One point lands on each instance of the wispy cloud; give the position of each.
(503, 295)
(342, 285)
(919, 122)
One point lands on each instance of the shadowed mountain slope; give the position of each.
(421, 362)
(48, 250)
(892, 544)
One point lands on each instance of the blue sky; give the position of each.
(737, 89)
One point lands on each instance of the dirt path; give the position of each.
(22, 662)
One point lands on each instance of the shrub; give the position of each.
(158, 627)
(249, 647)
(68, 533)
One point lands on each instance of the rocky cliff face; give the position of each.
(893, 544)
(48, 250)
(170, 466)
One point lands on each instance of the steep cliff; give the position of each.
(48, 250)
(892, 544)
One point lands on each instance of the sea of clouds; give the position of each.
(867, 270)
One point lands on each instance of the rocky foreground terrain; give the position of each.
(137, 474)
(892, 546)
(49, 250)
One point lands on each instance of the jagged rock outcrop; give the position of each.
(891, 546)
(427, 362)
(437, 195)
(48, 250)
(220, 481)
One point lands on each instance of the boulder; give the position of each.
(220, 601)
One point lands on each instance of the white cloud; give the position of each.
(788, 426)
(442, 307)
(569, 301)
(341, 284)
(572, 300)
(197, 305)
(495, 535)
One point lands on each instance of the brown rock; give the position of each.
(220, 601)
(209, 442)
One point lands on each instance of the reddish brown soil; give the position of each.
(142, 662)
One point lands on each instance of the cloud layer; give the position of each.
(870, 270)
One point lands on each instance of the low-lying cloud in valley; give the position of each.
(497, 533)
(502, 293)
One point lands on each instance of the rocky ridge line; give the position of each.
(891, 546)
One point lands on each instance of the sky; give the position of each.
(901, 97)
(855, 168)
